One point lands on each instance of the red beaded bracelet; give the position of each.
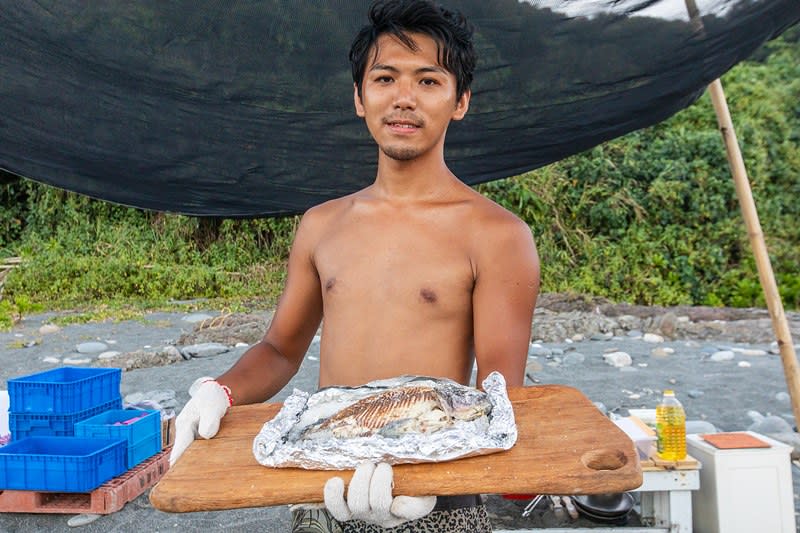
(225, 388)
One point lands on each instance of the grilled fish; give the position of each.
(397, 411)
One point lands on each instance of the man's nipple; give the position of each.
(427, 295)
(330, 283)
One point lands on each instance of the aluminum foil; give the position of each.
(280, 442)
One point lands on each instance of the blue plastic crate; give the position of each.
(142, 432)
(24, 425)
(61, 464)
(67, 389)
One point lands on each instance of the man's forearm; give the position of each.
(259, 374)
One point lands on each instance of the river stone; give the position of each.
(91, 347)
(538, 351)
(751, 352)
(668, 324)
(783, 397)
(206, 349)
(108, 355)
(618, 359)
(76, 360)
(574, 358)
(662, 351)
(49, 328)
(652, 337)
(771, 424)
(722, 355)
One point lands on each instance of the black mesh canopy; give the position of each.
(245, 108)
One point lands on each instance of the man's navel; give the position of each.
(427, 295)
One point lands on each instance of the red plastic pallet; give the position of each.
(108, 498)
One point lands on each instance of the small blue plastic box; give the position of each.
(143, 436)
(53, 424)
(63, 390)
(60, 464)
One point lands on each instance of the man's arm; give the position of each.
(265, 368)
(504, 297)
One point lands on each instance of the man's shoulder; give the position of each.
(323, 213)
(492, 217)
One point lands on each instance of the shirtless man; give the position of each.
(415, 274)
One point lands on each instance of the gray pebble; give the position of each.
(82, 519)
(602, 336)
(76, 360)
(91, 347)
(783, 397)
(751, 352)
(722, 355)
(774, 349)
(49, 328)
(634, 334)
(574, 358)
(771, 424)
(694, 393)
(652, 338)
(618, 359)
(206, 349)
(538, 351)
(661, 351)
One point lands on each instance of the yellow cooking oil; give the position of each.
(671, 428)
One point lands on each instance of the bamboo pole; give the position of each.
(780, 325)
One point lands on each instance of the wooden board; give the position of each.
(734, 441)
(565, 446)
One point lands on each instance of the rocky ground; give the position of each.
(721, 362)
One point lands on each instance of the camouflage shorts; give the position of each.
(473, 519)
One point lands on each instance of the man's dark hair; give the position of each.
(450, 29)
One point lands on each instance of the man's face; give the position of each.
(408, 99)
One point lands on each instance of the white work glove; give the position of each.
(201, 416)
(369, 498)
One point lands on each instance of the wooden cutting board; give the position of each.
(565, 446)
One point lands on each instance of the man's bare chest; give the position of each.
(424, 268)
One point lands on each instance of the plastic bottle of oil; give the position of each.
(671, 428)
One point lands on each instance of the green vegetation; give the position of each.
(649, 218)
